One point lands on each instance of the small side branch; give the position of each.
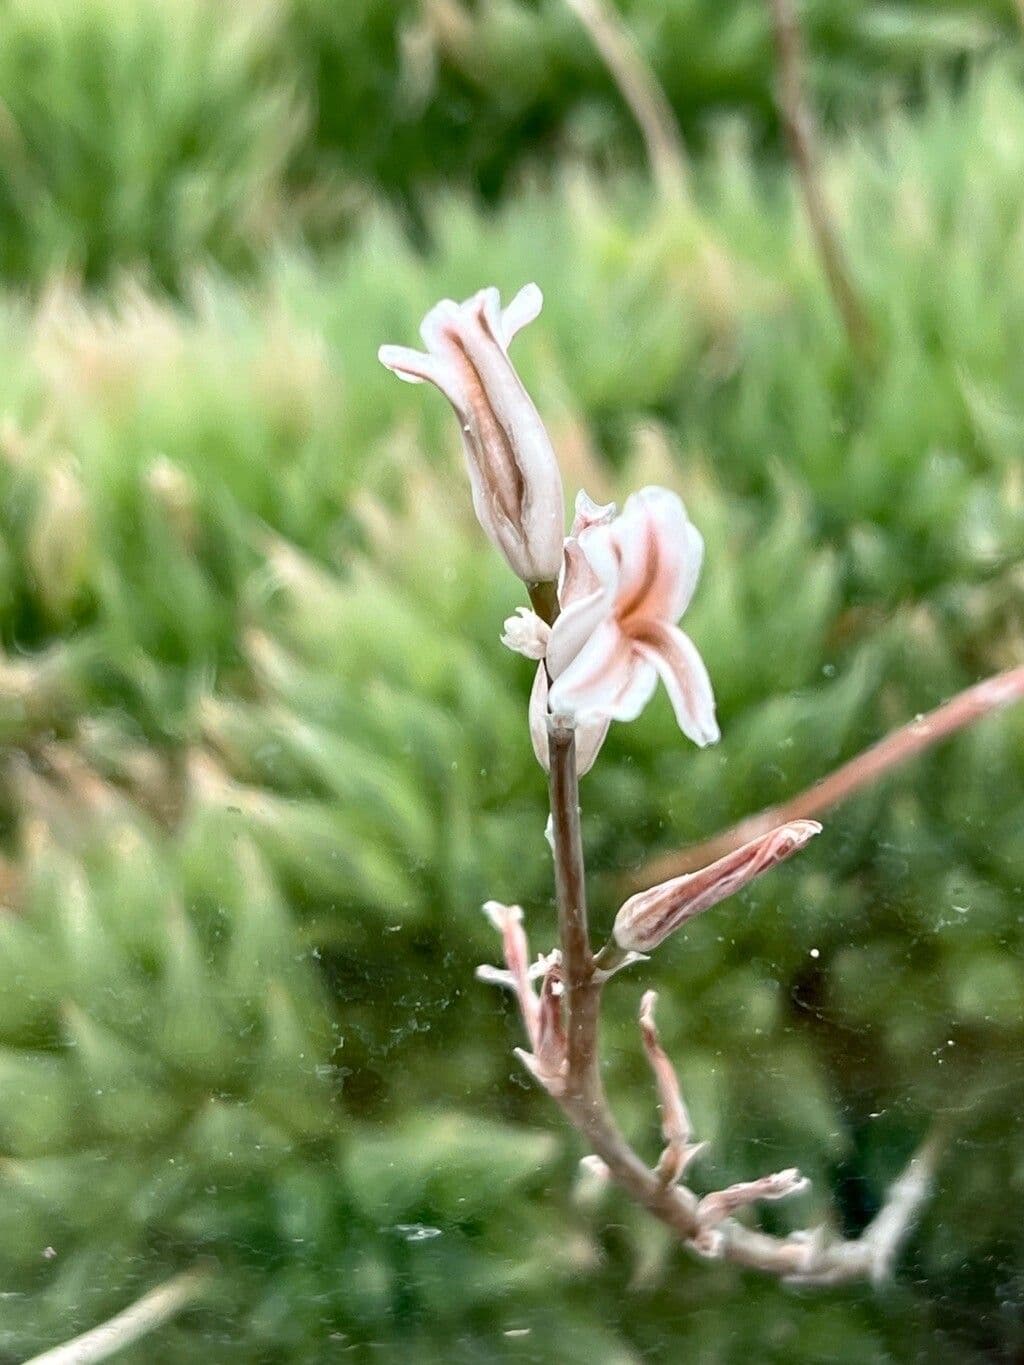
(1003, 689)
(639, 87)
(801, 138)
(568, 1068)
(142, 1317)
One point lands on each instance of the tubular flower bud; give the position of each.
(647, 919)
(513, 473)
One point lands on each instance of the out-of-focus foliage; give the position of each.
(156, 134)
(263, 755)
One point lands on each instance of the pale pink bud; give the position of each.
(508, 920)
(525, 633)
(647, 919)
(513, 473)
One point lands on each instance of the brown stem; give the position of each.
(544, 600)
(639, 87)
(142, 1317)
(583, 1098)
(798, 125)
(811, 1258)
(570, 886)
(1002, 689)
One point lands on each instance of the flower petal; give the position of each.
(526, 634)
(686, 679)
(590, 513)
(539, 717)
(608, 679)
(589, 736)
(575, 627)
(415, 367)
(522, 310)
(578, 578)
(658, 552)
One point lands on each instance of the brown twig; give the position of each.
(706, 1225)
(639, 87)
(1002, 689)
(801, 138)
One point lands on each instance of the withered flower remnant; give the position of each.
(647, 918)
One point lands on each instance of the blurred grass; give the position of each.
(263, 755)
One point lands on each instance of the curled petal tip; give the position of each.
(500, 915)
(525, 633)
(412, 366)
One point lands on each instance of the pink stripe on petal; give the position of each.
(434, 329)
(578, 578)
(661, 552)
(686, 679)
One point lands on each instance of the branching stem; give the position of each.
(802, 1257)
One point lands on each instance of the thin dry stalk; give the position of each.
(142, 1317)
(801, 138)
(642, 92)
(973, 704)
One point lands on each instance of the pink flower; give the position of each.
(647, 919)
(625, 584)
(513, 473)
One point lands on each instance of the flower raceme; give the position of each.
(647, 919)
(513, 473)
(623, 581)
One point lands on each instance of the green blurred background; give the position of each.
(262, 753)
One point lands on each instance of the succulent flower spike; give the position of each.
(513, 473)
(647, 919)
(625, 584)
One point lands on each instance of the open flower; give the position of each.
(625, 584)
(513, 473)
